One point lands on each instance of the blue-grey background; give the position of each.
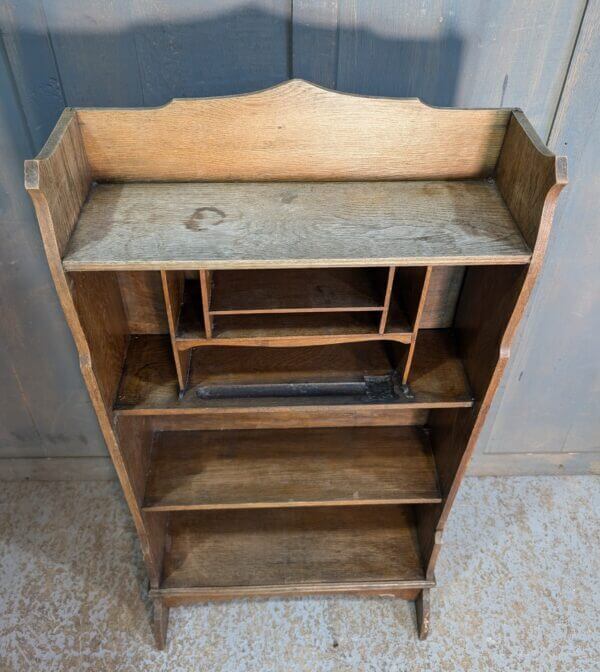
(541, 55)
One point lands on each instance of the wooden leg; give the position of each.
(423, 615)
(160, 624)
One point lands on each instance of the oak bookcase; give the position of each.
(292, 310)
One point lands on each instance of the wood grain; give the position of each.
(282, 417)
(403, 590)
(284, 468)
(274, 329)
(442, 295)
(143, 302)
(294, 131)
(289, 547)
(149, 382)
(173, 287)
(530, 177)
(227, 226)
(58, 182)
(295, 290)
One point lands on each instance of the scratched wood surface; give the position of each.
(145, 226)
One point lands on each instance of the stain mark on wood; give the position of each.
(203, 217)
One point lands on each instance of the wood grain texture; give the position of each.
(440, 303)
(530, 177)
(295, 290)
(61, 172)
(282, 329)
(423, 613)
(160, 623)
(178, 597)
(97, 300)
(173, 287)
(221, 226)
(527, 173)
(412, 289)
(294, 131)
(149, 383)
(58, 182)
(144, 302)
(289, 547)
(282, 417)
(285, 468)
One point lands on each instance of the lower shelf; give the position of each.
(291, 467)
(274, 551)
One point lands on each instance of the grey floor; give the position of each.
(518, 590)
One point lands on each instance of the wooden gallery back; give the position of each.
(292, 310)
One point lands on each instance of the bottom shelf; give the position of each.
(276, 551)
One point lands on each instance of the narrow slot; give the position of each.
(387, 299)
(313, 290)
(173, 283)
(417, 319)
(206, 291)
(149, 379)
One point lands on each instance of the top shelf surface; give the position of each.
(146, 226)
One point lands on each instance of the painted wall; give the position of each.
(542, 56)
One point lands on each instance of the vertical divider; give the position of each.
(416, 321)
(387, 299)
(205, 289)
(173, 283)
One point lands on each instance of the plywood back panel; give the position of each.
(294, 131)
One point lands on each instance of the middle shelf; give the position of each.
(149, 382)
(290, 467)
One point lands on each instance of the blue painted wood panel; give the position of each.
(551, 401)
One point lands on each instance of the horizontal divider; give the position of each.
(263, 550)
(291, 468)
(149, 382)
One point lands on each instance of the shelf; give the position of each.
(290, 467)
(149, 382)
(272, 329)
(291, 547)
(296, 290)
(148, 226)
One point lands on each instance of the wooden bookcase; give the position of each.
(292, 310)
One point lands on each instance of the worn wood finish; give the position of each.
(295, 290)
(97, 299)
(283, 468)
(387, 299)
(160, 623)
(58, 181)
(149, 384)
(143, 302)
(287, 328)
(485, 337)
(441, 298)
(283, 417)
(423, 608)
(289, 547)
(204, 302)
(413, 289)
(178, 597)
(173, 287)
(295, 131)
(227, 226)
(254, 470)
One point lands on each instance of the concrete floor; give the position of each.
(518, 590)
